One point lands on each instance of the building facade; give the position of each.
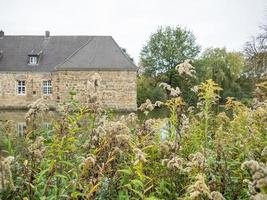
(49, 67)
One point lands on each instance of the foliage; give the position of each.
(165, 49)
(185, 75)
(257, 188)
(226, 69)
(169, 47)
(195, 153)
(148, 89)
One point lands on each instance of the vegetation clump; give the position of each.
(199, 151)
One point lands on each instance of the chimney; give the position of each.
(47, 34)
(2, 34)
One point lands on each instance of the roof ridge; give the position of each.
(58, 36)
(75, 52)
(126, 56)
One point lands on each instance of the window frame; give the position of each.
(33, 60)
(20, 86)
(47, 87)
(21, 126)
(47, 125)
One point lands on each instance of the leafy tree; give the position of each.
(148, 89)
(166, 48)
(225, 68)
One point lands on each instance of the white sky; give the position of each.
(216, 23)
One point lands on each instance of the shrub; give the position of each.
(146, 89)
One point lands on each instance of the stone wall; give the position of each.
(115, 89)
(8, 89)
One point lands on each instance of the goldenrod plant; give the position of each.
(203, 151)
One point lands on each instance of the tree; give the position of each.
(257, 44)
(256, 52)
(165, 49)
(225, 68)
(148, 89)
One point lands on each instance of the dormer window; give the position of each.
(34, 57)
(33, 60)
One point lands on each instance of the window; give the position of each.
(47, 87)
(21, 87)
(21, 128)
(33, 60)
(47, 126)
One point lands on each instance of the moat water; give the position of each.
(16, 116)
(19, 120)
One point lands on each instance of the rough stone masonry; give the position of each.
(116, 89)
(28, 64)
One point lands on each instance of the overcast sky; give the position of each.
(216, 23)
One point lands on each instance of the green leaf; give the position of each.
(61, 176)
(137, 183)
(126, 171)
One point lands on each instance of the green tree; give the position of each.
(147, 88)
(225, 68)
(166, 48)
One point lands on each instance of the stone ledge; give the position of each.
(53, 108)
(20, 107)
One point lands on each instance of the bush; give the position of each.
(147, 89)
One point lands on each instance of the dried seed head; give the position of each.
(147, 106)
(150, 124)
(158, 104)
(259, 176)
(195, 89)
(199, 189)
(174, 92)
(197, 161)
(5, 173)
(175, 163)
(165, 86)
(166, 147)
(186, 68)
(36, 107)
(251, 165)
(37, 148)
(123, 139)
(140, 157)
(119, 128)
(131, 118)
(217, 196)
(88, 163)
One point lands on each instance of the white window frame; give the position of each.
(33, 60)
(47, 125)
(21, 128)
(21, 88)
(47, 87)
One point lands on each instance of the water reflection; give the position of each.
(18, 117)
(21, 128)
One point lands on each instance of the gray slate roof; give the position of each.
(63, 53)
